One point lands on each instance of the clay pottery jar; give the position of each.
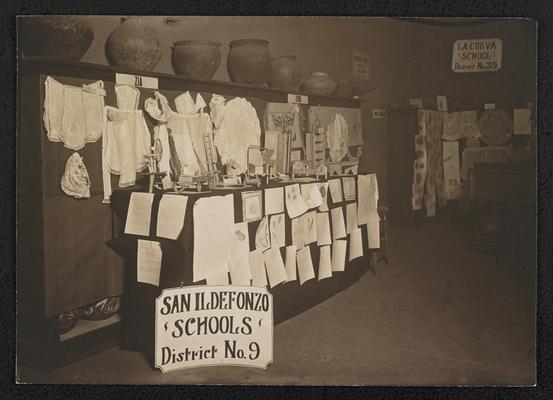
(55, 37)
(319, 83)
(102, 309)
(134, 44)
(197, 59)
(249, 61)
(284, 73)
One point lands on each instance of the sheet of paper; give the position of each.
(325, 263)
(339, 255)
(338, 226)
(290, 264)
(274, 201)
(298, 232)
(368, 198)
(213, 237)
(452, 173)
(295, 155)
(257, 268)
(251, 206)
(305, 265)
(148, 262)
(295, 205)
(262, 235)
(239, 264)
(522, 121)
(323, 189)
(311, 195)
(310, 229)
(171, 214)
(323, 229)
(355, 244)
(277, 230)
(351, 217)
(139, 214)
(373, 233)
(348, 183)
(442, 103)
(335, 187)
(274, 266)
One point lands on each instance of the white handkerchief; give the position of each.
(323, 229)
(274, 201)
(262, 235)
(325, 263)
(373, 233)
(148, 262)
(355, 244)
(339, 255)
(295, 205)
(139, 214)
(171, 214)
(257, 269)
(277, 229)
(311, 195)
(323, 189)
(351, 217)
(305, 265)
(290, 264)
(338, 226)
(274, 266)
(239, 264)
(335, 187)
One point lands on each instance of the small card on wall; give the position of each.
(489, 106)
(297, 99)
(147, 82)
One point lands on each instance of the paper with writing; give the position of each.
(325, 263)
(338, 226)
(295, 205)
(355, 244)
(351, 217)
(139, 214)
(171, 214)
(348, 183)
(257, 268)
(335, 188)
(274, 266)
(274, 201)
(277, 230)
(239, 264)
(305, 265)
(290, 264)
(148, 262)
(339, 255)
(310, 227)
(323, 229)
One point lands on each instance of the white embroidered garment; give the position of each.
(127, 97)
(337, 138)
(75, 180)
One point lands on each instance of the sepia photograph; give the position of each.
(273, 200)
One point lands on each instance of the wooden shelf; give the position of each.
(85, 326)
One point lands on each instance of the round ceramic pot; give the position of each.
(134, 44)
(284, 73)
(55, 37)
(101, 310)
(319, 83)
(249, 61)
(67, 321)
(197, 59)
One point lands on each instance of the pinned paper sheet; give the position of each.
(323, 189)
(290, 264)
(148, 262)
(355, 244)
(239, 264)
(522, 121)
(335, 187)
(348, 184)
(262, 235)
(351, 217)
(368, 198)
(298, 232)
(311, 195)
(213, 236)
(310, 227)
(295, 155)
(452, 174)
(305, 265)
(373, 233)
(139, 214)
(277, 230)
(325, 263)
(274, 266)
(323, 229)
(338, 226)
(339, 255)
(257, 269)
(171, 214)
(295, 205)
(274, 201)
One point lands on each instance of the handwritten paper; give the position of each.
(311, 195)
(323, 229)
(522, 121)
(310, 227)
(239, 263)
(274, 201)
(338, 226)
(148, 262)
(274, 266)
(295, 205)
(335, 187)
(305, 265)
(290, 264)
(355, 244)
(171, 214)
(257, 268)
(277, 230)
(323, 189)
(368, 198)
(298, 232)
(351, 217)
(339, 255)
(348, 183)
(373, 233)
(262, 235)
(213, 237)
(325, 263)
(139, 214)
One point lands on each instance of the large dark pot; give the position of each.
(134, 44)
(249, 61)
(319, 83)
(284, 73)
(196, 58)
(55, 37)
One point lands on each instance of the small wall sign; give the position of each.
(361, 65)
(477, 55)
(147, 82)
